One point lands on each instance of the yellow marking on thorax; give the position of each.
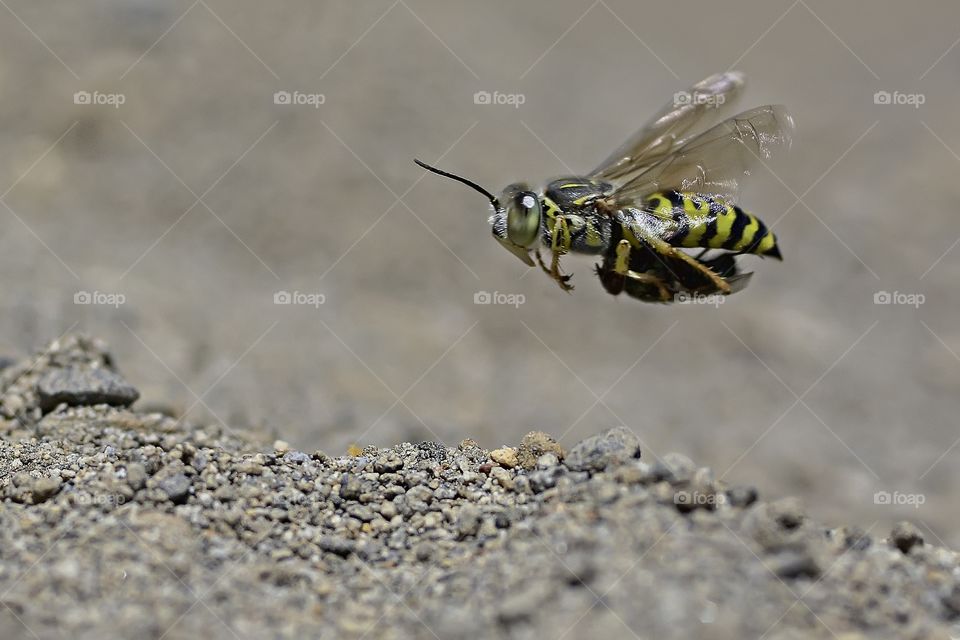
(561, 235)
(551, 209)
(594, 239)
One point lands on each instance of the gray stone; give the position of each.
(295, 457)
(83, 386)
(45, 488)
(468, 521)
(905, 536)
(177, 488)
(350, 487)
(741, 496)
(675, 468)
(337, 545)
(617, 446)
(136, 475)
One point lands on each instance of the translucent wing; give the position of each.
(703, 100)
(714, 162)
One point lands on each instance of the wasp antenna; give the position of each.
(469, 183)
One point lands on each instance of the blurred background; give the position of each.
(157, 191)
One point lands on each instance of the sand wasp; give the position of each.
(660, 193)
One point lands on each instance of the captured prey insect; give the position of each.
(661, 192)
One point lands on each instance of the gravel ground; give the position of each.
(116, 523)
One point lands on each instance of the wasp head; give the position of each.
(515, 222)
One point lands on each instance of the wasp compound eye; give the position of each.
(523, 218)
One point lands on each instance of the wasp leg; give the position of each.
(663, 247)
(554, 270)
(540, 261)
(561, 278)
(559, 230)
(622, 267)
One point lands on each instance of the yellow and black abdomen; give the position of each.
(702, 221)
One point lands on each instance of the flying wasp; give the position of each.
(661, 192)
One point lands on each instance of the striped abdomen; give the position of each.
(702, 221)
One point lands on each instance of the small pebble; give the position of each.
(506, 457)
(45, 488)
(547, 461)
(905, 536)
(468, 521)
(350, 487)
(536, 444)
(617, 446)
(503, 477)
(177, 488)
